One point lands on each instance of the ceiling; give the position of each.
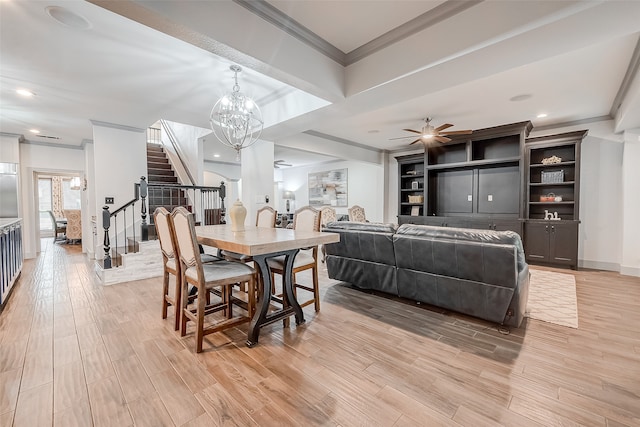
(357, 72)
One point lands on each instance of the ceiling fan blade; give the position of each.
(419, 139)
(414, 131)
(442, 127)
(442, 139)
(457, 132)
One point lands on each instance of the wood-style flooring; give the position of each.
(74, 353)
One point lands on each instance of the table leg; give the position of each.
(261, 318)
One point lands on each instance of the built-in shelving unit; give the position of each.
(473, 181)
(553, 195)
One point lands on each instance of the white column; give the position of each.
(257, 178)
(630, 264)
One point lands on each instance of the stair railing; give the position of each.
(211, 200)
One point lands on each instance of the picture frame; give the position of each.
(328, 188)
(415, 210)
(415, 185)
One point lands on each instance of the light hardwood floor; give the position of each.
(74, 353)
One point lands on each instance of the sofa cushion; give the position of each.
(468, 234)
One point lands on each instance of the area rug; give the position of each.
(552, 298)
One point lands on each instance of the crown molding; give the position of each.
(292, 27)
(116, 126)
(51, 144)
(431, 17)
(573, 123)
(632, 70)
(341, 140)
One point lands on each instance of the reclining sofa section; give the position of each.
(481, 273)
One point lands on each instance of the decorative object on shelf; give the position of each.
(415, 185)
(289, 196)
(412, 172)
(328, 188)
(416, 199)
(550, 198)
(551, 216)
(415, 210)
(552, 177)
(551, 160)
(237, 214)
(236, 119)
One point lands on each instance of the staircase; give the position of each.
(159, 171)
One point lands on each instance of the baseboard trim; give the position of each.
(599, 265)
(630, 271)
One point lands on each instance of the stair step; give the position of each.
(157, 157)
(159, 165)
(155, 148)
(160, 178)
(163, 172)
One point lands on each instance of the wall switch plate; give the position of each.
(469, 198)
(108, 200)
(490, 198)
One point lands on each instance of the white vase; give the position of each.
(237, 214)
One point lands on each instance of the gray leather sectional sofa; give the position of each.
(481, 273)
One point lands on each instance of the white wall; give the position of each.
(120, 159)
(365, 183)
(600, 204)
(89, 202)
(9, 150)
(630, 263)
(41, 158)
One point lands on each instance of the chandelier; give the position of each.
(235, 119)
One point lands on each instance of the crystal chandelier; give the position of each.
(235, 119)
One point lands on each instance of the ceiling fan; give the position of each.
(429, 132)
(278, 163)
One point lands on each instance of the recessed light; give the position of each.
(522, 97)
(541, 115)
(216, 155)
(25, 92)
(34, 131)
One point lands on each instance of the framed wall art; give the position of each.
(328, 188)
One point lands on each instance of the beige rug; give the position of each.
(552, 298)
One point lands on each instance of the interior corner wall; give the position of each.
(41, 158)
(120, 159)
(365, 183)
(630, 264)
(601, 198)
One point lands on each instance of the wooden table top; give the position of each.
(260, 240)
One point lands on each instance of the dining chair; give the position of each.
(356, 214)
(207, 278)
(171, 265)
(305, 219)
(327, 215)
(74, 224)
(59, 228)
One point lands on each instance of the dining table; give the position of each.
(262, 243)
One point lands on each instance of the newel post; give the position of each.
(106, 224)
(222, 194)
(144, 232)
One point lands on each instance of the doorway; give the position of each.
(56, 192)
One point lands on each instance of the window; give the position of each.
(45, 203)
(70, 198)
